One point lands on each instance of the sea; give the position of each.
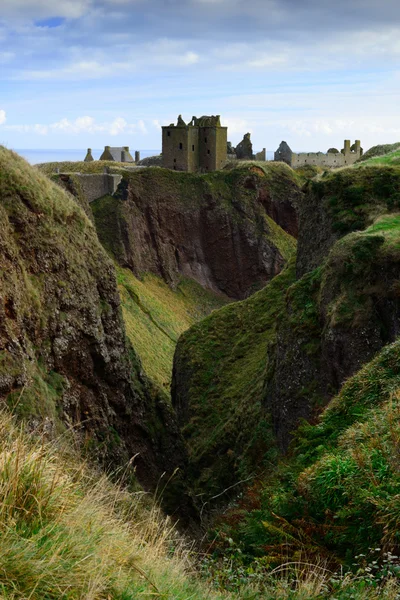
(43, 156)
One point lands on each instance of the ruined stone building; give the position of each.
(333, 158)
(200, 145)
(244, 150)
(121, 154)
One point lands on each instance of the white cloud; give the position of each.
(236, 125)
(80, 125)
(2, 117)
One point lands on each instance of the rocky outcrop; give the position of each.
(216, 229)
(64, 358)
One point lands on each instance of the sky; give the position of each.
(90, 73)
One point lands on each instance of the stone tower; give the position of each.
(200, 145)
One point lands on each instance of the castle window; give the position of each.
(168, 133)
(193, 147)
(205, 139)
(180, 146)
(208, 151)
(174, 159)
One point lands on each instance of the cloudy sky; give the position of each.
(79, 73)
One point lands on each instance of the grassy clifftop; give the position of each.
(96, 166)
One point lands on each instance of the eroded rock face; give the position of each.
(214, 229)
(63, 351)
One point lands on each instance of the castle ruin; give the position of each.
(333, 158)
(199, 146)
(117, 154)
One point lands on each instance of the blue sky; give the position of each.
(80, 73)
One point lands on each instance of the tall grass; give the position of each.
(67, 534)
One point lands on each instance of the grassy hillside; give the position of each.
(335, 500)
(156, 315)
(389, 158)
(379, 150)
(219, 372)
(66, 533)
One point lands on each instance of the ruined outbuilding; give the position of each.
(198, 146)
(244, 150)
(117, 154)
(333, 159)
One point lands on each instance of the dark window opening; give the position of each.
(168, 133)
(174, 159)
(174, 167)
(205, 139)
(208, 152)
(193, 147)
(180, 146)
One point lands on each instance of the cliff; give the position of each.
(64, 357)
(226, 230)
(252, 371)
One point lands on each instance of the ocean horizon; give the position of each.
(37, 156)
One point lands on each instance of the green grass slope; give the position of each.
(156, 315)
(389, 158)
(379, 150)
(219, 373)
(337, 496)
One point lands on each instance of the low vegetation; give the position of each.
(226, 358)
(156, 315)
(379, 150)
(96, 166)
(66, 533)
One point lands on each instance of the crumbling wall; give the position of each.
(96, 186)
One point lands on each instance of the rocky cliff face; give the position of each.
(64, 358)
(297, 340)
(221, 229)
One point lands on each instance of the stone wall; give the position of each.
(95, 186)
(331, 160)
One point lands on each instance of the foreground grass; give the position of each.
(67, 534)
